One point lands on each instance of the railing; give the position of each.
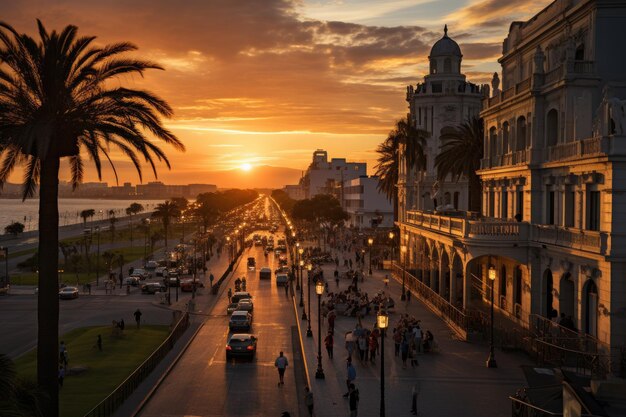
(526, 409)
(114, 400)
(508, 93)
(522, 86)
(584, 67)
(553, 76)
(542, 327)
(575, 149)
(588, 240)
(454, 317)
(556, 353)
(485, 163)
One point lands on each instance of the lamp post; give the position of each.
(182, 218)
(319, 290)
(383, 322)
(491, 361)
(370, 242)
(391, 236)
(98, 257)
(309, 267)
(302, 290)
(230, 251)
(300, 263)
(403, 249)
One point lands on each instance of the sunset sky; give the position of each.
(266, 82)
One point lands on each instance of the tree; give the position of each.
(87, 214)
(134, 208)
(460, 155)
(14, 229)
(388, 170)
(207, 213)
(67, 249)
(17, 397)
(112, 221)
(322, 212)
(166, 211)
(60, 97)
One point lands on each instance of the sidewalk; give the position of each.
(453, 382)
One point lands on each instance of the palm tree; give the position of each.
(17, 397)
(60, 98)
(387, 169)
(207, 213)
(87, 214)
(134, 208)
(166, 212)
(460, 156)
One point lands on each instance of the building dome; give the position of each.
(445, 47)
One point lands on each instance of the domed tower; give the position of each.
(445, 57)
(444, 100)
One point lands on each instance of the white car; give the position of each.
(68, 293)
(160, 271)
(132, 280)
(140, 272)
(151, 265)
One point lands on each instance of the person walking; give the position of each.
(62, 351)
(281, 364)
(329, 342)
(308, 400)
(99, 343)
(397, 339)
(61, 375)
(230, 295)
(137, 315)
(350, 375)
(354, 400)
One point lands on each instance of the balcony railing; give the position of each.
(584, 67)
(573, 150)
(588, 240)
(553, 75)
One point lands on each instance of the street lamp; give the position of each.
(319, 290)
(370, 242)
(98, 257)
(230, 249)
(391, 236)
(403, 249)
(301, 290)
(491, 361)
(383, 322)
(309, 267)
(183, 222)
(300, 263)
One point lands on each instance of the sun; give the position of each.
(246, 167)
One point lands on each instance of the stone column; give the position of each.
(453, 288)
(442, 278)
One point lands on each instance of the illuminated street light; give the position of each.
(319, 290)
(491, 361)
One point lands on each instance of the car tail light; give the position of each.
(250, 347)
(228, 348)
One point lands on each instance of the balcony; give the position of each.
(575, 150)
(587, 240)
(509, 159)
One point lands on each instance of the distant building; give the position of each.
(295, 192)
(323, 176)
(365, 204)
(194, 189)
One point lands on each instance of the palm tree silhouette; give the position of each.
(166, 212)
(60, 98)
(460, 156)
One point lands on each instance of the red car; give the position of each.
(186, 285)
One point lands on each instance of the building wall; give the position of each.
(364, 203)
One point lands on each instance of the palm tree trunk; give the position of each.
(48, 298)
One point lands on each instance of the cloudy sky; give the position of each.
(266, 82)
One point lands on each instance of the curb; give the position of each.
(302, 351)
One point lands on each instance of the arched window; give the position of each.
(447, 66)
(552, 128)
(580, 52)
(493, 137)
(520, 134)
(433, 66)
(505, 138)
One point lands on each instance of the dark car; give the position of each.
(241, 345)
(153, 287)
(251, 264)
(231, 307)
(68, 293)
(240, 295)
(186, 285)
(240, 320)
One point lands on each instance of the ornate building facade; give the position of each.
(552, 231)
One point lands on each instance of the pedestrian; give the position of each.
(408, 296)
(137, 315)
(230, 295)
(349, 344)
(121, 324)
(329, 342)
(354, 400)
(373, 345)
(281, 364)
(99, 343)
(287, 289)
(308, 400)
(211, 278)
(62, 350)
(404, 349)
(350, 375)
(397, 339)
(121, 278)
(61, 375)
(362, 344)
(331, 320)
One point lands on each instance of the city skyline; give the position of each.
(236, 77)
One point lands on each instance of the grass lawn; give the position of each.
(105, 370)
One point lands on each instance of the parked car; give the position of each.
(231, 307)
(140, 272)
(172, 281)
(153, 287)
(68, 293)
(251, 264)
(160, 271)
(132, 280)
(245, 304)
(240, 320)
(282, 279)
(187, 284)
(240, 295)
(151, 265)
(241, 345)
(265, 273)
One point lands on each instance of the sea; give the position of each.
(14, 210)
